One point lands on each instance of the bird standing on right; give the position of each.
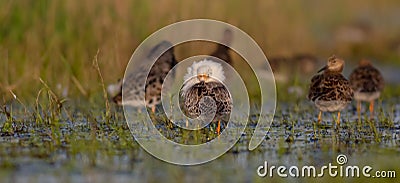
(367, 83)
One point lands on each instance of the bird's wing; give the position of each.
(221, 96)
(191, 100)
(315, 88)
(334, 87)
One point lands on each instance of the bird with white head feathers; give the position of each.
(203, 88)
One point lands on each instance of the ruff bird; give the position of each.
(330, 91)
(203, 92)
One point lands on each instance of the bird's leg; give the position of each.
(371, 110)
(338, 119)
(219, 127)
(319, 117)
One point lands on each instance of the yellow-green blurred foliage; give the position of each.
(57, 40)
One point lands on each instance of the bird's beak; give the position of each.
(323, 68)
(202, 77)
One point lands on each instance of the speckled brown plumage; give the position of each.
(154, 80)
(203, 94)
(193, 102)
(330, 87)
(331, 91)
(367, 83)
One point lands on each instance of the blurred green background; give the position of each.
(57, 40)
(43, 140)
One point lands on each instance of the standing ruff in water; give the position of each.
(367, 83)
(330, 91)
(154, 80)
(203, 92)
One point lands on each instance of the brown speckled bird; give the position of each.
(367, 83)
(330, 91)
(154, 80)
(203, 92)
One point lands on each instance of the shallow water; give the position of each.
(83, 151)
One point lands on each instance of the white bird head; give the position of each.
(203, 71)
(210, 69)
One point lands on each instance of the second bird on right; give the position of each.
(367, 83)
